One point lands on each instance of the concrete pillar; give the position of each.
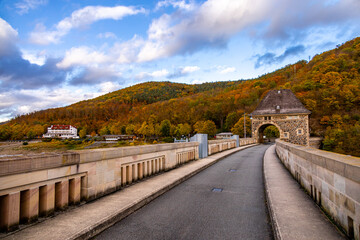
(134, 172)
(202, 139)
(29, 205)
(46, 199)
(152, 167)
(61, 194)
(157, 163)
(74, 190)
(128, 174)
(10, 211)
(140, 171)
(148, 167)
(84, 188)
(123, 176)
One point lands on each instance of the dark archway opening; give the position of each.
(268, 133)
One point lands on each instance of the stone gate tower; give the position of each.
(284, 110)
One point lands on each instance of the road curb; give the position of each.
(100, 226)
(274, 223)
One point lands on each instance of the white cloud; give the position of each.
(155, 74)
(8, 37)
(126, 52)
(38, 58)
(107, 87)
(25, 5)
(92, 75)
(79, 19)
(227, 70)
(189, 69)
(83, 56)
(184, 5)
(26, 101)
(210, 25)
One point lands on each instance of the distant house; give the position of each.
(224, 135)
(61, 131)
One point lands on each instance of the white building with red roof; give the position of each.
(61, 131)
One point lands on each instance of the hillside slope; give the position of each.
(328, 85)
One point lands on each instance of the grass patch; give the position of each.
(55, 144)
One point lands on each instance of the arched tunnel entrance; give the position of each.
(268, 133)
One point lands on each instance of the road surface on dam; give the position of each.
(225, 201)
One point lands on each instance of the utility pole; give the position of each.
(244, 126)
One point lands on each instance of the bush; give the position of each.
(168, 140)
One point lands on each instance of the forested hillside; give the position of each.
(328, 85)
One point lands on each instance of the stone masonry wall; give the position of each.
(332, 180)
(289, 127)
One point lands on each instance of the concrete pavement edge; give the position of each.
(274, 221)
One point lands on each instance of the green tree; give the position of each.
(5, 132)
(30, 134)
(209, 128)
(82, 132)
(271, 132)
(104, 130)
(206, 127)
(130, 129)
(165, 128)
(199, 126)
(231, 120)
(238, 128)
(184, 129)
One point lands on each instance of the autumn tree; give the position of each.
(165, 128)
(104, 130)
(130, 129)
(206, 127)
(231, 119)
(82, 132)
(238, 128)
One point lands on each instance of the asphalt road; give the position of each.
(194, 210)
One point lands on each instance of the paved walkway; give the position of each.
(294, 214)
(224, 201)
(91, 218)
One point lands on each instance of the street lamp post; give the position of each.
(244, 126)
(245, 123)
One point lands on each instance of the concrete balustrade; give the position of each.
(216, 146)
(39, 185)
(184, 157)
(332, 180)
(247, 141)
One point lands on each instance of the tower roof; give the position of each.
(281, 101)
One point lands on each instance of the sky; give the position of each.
(57, 52)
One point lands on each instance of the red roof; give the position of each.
(60, 127)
